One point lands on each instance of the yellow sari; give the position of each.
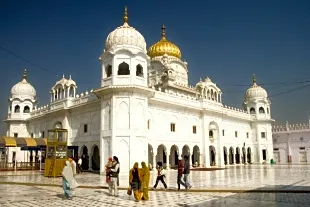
(134, 184)
(145, 179)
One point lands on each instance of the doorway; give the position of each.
(264, 154)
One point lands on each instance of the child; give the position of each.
(108, 167)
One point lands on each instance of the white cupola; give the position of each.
(64, 88)
(124, 59)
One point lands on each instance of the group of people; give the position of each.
(139, 178)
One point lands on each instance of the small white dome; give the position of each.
(70, 82)
(255, 92)
(125, 35)
(23, 90)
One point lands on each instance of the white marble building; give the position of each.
(291, 143)
(145, 110)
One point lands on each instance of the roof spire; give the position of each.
(254, 79)
(163, 32)
(125, 18)
(25, 74)
(70, 77)
(63, 75)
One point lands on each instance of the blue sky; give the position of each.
(225, 40)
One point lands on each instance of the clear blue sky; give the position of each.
(225, 40)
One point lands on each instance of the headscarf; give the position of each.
(136, 165)
(143, 165)
(145, 173)
(116, 159)
(110, 159)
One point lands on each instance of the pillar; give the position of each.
(168, 161)
(154, 161)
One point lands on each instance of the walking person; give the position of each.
(135, 181)
(145, 179)
(114, 175)
(180, 173)
(160, 175)
(79, 164)
(68, 181)
(73, 165)
(186, 172)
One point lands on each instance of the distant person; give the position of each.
(80, 165)
(108, 167)
(180, 173)
(68, 181)
(145, 179)
(73, 165)
(135, 181)
(114, 175)
(186, 172)
(160, 175)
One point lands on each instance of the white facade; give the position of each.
(292, 143)
(145, 110)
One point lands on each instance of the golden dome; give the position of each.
(164, 46)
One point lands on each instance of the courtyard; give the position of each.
(244, 185)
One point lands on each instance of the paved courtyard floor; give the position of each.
(274, 178)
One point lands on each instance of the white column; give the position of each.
(168, 161)
(74, 91)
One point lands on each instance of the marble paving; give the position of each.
(243, 177)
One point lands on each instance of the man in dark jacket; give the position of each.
(180, 173)
(186, 172)
(114, 175)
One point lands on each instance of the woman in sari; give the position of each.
(135, 181)
(68, 181)
(145, 179)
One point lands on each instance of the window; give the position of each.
(15, 134)
(236, 134)
(148, 124)
(252, 110)
(108, 70)
(42, 134)
(247, 135)
(139, 71)
(123, 69)
(302, 148)
(210, 134)
(172, 127)
(263, 134)
(194, 129)
(261, 110)
(31, 135)
(17, 109)
(85, 128)
(275, 149)
(223, 132)
(26, 109)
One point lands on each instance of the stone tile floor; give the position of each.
(287, 177)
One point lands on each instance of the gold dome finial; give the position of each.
(125, 18)
(163, 32)
(25, 74)
(254, 79)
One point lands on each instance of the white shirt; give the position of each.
(80, 161)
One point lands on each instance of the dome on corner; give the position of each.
(125, 35)
(255, 92)
(23, 90)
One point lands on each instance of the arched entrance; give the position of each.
(231, 155)
(249, 156)
(225, 155)
(185, 151)
(196, 156)
(212, 155)
(95, 158)
(243, 155)
(150, 155)
(173, 158)
(85, 158)
(161, 154)
(238, 155)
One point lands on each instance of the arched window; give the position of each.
(26, 109)
(208, 94)
(17, 109)
(212, 95)
(71, 91)
(215, 96)
(210, 134)
(261, 110)
(267, 110)
(108, 70)
(123, 69)
(139, 71)
(252, 110)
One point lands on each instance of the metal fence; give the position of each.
(21, 166)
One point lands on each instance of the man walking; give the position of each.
(180, 173)
(80, 165)
(186, 172)
(114, 175)
(160, 175)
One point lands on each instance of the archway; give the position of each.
(161, 154)
(231, 155)
(173, 158)
(150, 155)
(196, 156)
(212, 155)
(249, 156)
(185, 151)
(85, 158)
(95, 158)
(213, 130)
(225, 155)
(243, 155)
(238, 155)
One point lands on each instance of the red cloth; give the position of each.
(180, 167)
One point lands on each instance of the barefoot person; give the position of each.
(145, 179)
(68, 181)
(160, 175)
(135, 181)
